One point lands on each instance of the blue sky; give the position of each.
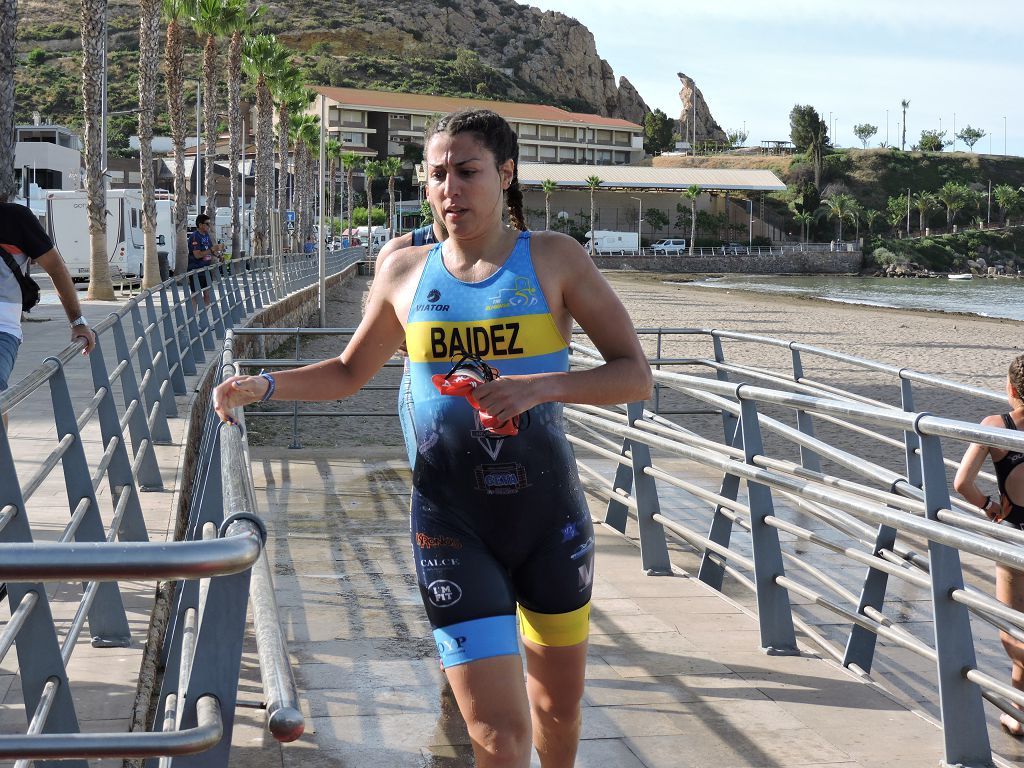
(753, 60)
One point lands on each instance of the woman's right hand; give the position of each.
(236, 391)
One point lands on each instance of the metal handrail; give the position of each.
(190, 741)
(100, 561)
(284, 719)
(167, 343)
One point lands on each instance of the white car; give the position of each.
(670, 247)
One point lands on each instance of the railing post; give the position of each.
(774, 614)
(911, 440)
(169, 340)
(728, 420)
(201, 308)
(250, 307)
(39, 656)
(295, 403)
(712, 565)
(808, 458)
(187, 312)
(156, 362)
(155, 407)
(963, 718)
(147, 470)
(179, 324)
(119, 471)
(107, 620)
(860, 647)
(616, 514)
(654, 555)
(215, 667)
(219, 303)
(657, 386)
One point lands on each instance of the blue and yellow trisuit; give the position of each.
(495, 522)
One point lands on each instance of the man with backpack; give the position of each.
(22, 242)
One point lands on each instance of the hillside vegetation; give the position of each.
(491, 49)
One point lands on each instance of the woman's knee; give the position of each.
(562, 706)
(505, 740)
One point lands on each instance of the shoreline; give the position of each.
(687, 279)
(966, 348)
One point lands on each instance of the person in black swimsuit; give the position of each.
(1008, 508)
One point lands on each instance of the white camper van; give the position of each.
(165, 233)
(67, 224)
(222, 230)
(613, 242)
(380, 235)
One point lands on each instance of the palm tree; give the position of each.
(870, 217)
(548, 187)
(305, 133)
(286, 85)
(804, 219)
(1009, 201)
(903, 141)
(149, 59)
(236, 21)
(208, 22)
(93, 48)
(692, 193)
(593, 182)
(954, 196)
(8, 62)
(262, 54)
(175, 11)
(390, 168)
(839, 206)
(351, 162)
(925, 203)
(856, 214)
(371, 170)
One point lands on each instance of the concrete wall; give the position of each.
(790, 261)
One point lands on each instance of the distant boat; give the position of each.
(961, 276)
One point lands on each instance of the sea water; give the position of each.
(988, 297)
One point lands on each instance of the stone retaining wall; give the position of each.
(788, 262)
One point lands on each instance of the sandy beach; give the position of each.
(971, 350)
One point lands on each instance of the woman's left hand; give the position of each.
(507, 396)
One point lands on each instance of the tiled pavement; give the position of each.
(675, 675)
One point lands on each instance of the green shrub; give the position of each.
(36, 57)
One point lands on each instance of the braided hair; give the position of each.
(1017, 376)
(498, 137)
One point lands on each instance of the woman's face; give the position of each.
(464, 184)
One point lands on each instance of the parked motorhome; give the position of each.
(67, 224)
(613, 242)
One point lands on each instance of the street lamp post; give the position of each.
(887, 127)
(1004, 134)
(639, 225)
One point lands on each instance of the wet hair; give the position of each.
(497, 136)
(1017, 376)
(201, 219)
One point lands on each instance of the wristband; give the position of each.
(270, 389)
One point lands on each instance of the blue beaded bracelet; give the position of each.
(270, 390)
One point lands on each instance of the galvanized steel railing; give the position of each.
(877, 515)
(147, 348)
(867, 505)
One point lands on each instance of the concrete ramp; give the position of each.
(675, 674)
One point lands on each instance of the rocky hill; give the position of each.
(494, 49)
